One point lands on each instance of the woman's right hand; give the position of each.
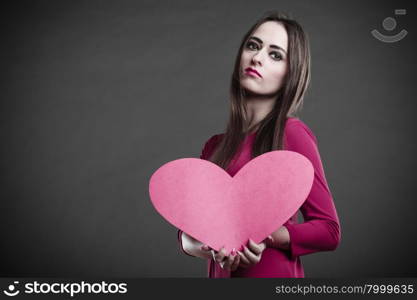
(226, 262)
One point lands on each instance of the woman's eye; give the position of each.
(251, 45)
(277, 56)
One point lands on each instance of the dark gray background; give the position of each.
(96, 95)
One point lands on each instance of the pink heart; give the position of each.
(203, 200)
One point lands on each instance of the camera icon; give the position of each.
(389, 24)
(11, 289)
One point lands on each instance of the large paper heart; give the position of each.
(203, 200)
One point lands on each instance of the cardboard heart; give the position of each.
(203, 200)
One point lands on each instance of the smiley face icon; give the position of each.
(390, 24)
(11, 289)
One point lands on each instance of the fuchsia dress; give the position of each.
(320, 230)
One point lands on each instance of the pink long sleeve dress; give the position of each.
(320, 230)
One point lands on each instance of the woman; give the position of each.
(271, 75)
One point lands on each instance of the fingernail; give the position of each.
(234, 251)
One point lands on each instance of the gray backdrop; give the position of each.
(96, 95)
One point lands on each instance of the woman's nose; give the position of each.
(257, 58)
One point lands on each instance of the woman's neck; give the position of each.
(258, 108)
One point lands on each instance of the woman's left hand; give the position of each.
(252, 254)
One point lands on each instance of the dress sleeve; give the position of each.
(320, 230)
(209, 147)
(205, 154)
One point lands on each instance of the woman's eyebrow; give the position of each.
(272, 46)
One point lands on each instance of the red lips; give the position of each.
(250, 70)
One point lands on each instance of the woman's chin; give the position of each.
(250, 92)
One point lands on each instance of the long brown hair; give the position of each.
(289, 98)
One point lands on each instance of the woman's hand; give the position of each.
(229, 263)
(252, 254)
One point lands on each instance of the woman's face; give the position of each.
(265, 52)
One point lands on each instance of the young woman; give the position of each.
(270, 77)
